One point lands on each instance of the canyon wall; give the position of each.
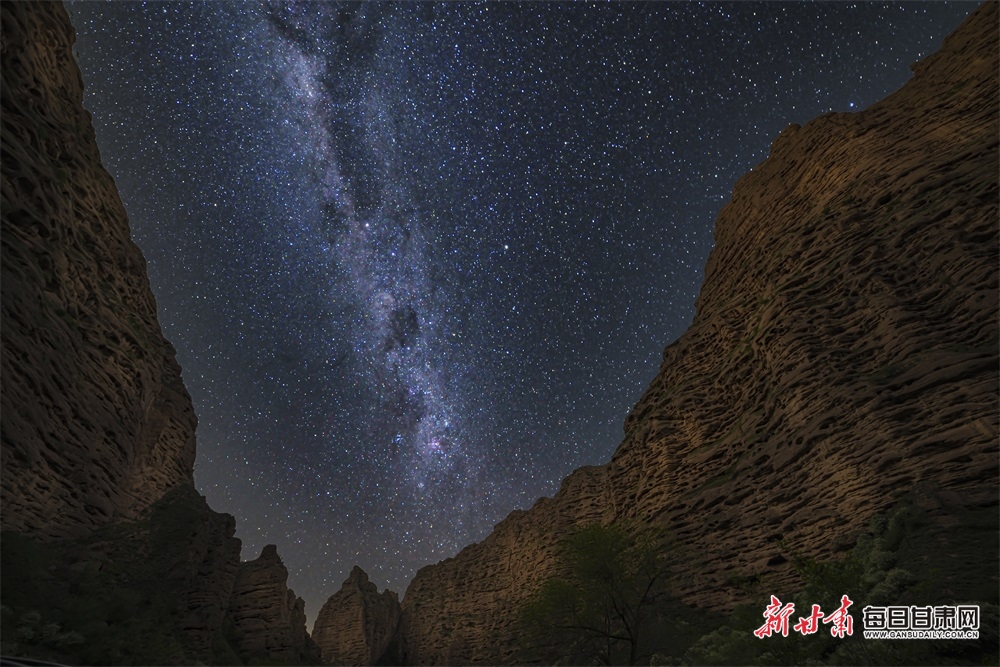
(844, 353)
(105, 536)
(97, 425)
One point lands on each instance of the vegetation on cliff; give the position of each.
(843, 354)
(612, 606)
(603, 608)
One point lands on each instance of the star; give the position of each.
(322, 194)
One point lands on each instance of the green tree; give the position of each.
(598, 608)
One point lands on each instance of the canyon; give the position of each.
(844, 355)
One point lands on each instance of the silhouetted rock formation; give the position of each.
(355, 625)
(270, 621)
(844, 353)
(210, 561)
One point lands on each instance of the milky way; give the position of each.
(341, 68)
(419, 260)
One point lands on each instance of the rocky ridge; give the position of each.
(210, 560)
(844, 353)
(357, 623)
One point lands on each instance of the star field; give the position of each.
(419, 260)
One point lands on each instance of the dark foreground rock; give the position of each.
(269, 620)
(151, 591)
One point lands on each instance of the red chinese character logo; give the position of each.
(777, 619)
(843, 624)
(808, 625)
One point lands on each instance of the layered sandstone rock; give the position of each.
(844, 352)
(97, 425)
(356, 624)
(270, 621)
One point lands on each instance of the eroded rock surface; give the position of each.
(270, 620)
(356, 624)
(844, 353)
(97, 425)
(97, 430)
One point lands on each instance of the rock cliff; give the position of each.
(844, 353)
(109, 553)
(356, 624)
(97, 425)
(269, 619)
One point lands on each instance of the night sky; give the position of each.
(419, 261)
